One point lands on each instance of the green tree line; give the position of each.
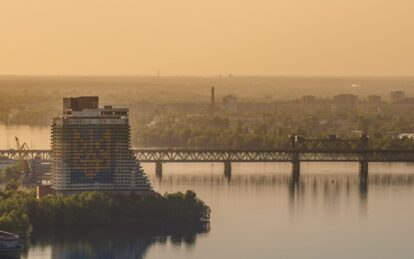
(21, 212)
(272, 131)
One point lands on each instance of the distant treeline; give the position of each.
(214, 133)
(21, 212)
(27, 107)
(268, 131)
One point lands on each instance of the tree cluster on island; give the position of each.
(21, 212)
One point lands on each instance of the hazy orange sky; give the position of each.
(210, 37)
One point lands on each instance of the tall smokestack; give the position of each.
(212, 100)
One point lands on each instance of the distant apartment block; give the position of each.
(345, 102)
(230, 103)
(397, 96)
(374, 100)
(308, 100)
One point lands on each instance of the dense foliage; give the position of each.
(267, 131)
(9, 176)
(21, 212)
(9, 173)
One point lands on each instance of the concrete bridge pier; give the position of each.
(227, 169)
(363, 171)
(295, 167)
(158, 169)
(363, 180)
(295, 171)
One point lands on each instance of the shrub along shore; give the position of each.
(21, 212)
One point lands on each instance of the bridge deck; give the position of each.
(275, 155)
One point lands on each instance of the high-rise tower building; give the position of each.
(91, 150)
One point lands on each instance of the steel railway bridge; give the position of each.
(299, 150)
(232, 155)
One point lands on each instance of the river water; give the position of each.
(34, 137)
(259, 213)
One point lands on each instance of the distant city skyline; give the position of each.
(263, 37)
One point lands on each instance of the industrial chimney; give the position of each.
(212, 101)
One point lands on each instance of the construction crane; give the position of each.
(26, 172)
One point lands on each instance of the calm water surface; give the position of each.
(259, 213)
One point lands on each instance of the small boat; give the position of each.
(10, 242)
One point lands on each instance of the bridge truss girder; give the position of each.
(241, 156)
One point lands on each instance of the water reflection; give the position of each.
(338, 181)
(252, 209)
(307, 189)
(109, 243)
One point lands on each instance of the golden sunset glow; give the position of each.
(261, 37)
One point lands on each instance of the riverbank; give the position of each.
(22, 213)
